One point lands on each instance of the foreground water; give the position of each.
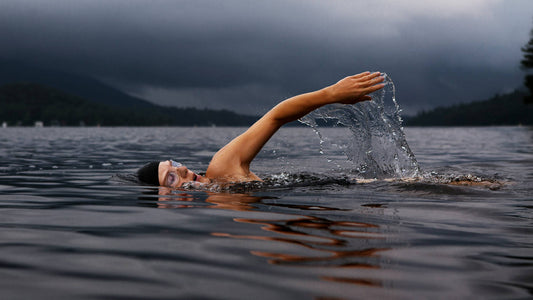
(73, 225)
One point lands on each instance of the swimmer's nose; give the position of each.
(182, 171)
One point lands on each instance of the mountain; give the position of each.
(25, 103)
(29, 93)
(508, 109)
(81, 86)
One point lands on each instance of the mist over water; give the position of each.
(374, 141)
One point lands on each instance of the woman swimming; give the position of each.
(232, 162)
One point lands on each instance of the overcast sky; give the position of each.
(248, 55)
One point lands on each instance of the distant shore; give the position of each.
(506, 110)
(37, 105)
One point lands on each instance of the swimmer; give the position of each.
(232, 162)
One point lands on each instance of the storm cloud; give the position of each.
(248, 55)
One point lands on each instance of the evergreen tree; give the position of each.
(527, 64)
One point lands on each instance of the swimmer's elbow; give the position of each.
(284, 113)
(274, 119)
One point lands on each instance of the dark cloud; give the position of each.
(247, 56)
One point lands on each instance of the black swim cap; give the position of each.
(149, 173)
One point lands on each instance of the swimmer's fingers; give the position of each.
(374, 87)
(360, 75)
(373, 79)
(366, 76)
(372, 84)
(353, 89)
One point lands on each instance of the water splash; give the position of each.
(274, 181)
(376, 145)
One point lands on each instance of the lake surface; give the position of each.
(74, 225)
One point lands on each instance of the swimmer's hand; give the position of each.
(354, 89)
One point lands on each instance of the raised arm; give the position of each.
(232, 162)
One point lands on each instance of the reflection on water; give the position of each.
(327, 243)
(74, 225)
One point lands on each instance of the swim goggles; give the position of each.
(175, 163)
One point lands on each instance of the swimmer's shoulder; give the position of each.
(230, 172)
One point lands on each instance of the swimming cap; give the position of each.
(149, 173)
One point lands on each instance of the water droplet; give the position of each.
(377, 144)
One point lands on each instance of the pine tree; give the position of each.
(527, 64)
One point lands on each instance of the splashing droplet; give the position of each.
(376, 145)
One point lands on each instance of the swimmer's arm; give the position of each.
(349, 90)
(235, 157)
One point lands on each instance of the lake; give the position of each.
(75, 225)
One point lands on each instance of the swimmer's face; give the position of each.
(174, 177)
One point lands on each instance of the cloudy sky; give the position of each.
(248, 55)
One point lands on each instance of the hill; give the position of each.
(81, 86)
(47, 95)
(25, 103)
(508, 109)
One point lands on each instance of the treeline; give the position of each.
(508, 109)
(25, 103)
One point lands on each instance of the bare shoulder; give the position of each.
(230, 173)
(226, 166)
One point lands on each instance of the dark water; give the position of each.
(72, 225)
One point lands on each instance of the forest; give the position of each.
(22, 104)
(508, 109)
(25, 103)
